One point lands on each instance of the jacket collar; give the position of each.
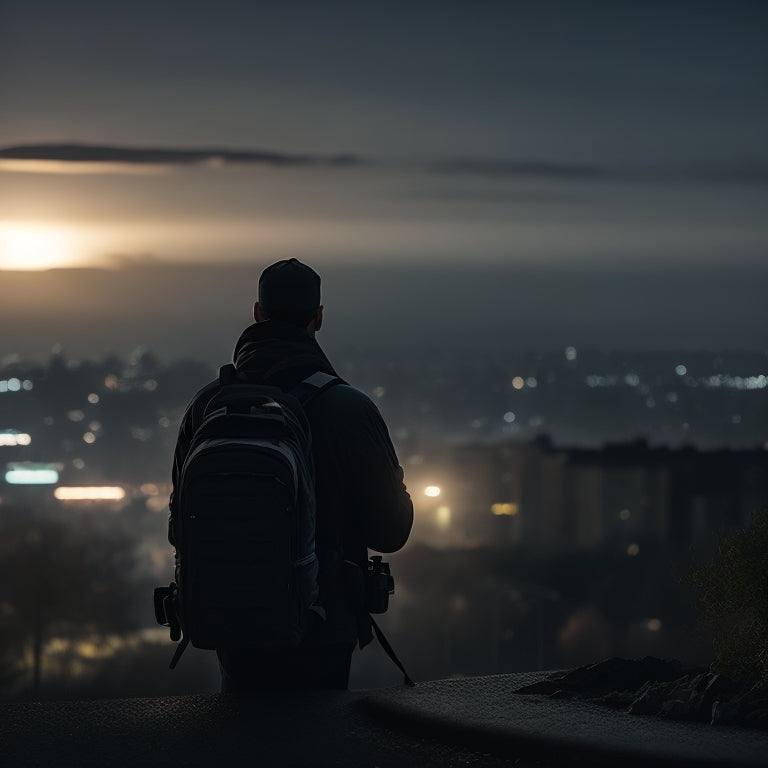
(279, 355)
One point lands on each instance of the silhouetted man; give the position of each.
(362, 502)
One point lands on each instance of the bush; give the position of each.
(733, 601)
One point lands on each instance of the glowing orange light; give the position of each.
(653, 625)
(505, 508)
(35, 246)
(89, 493)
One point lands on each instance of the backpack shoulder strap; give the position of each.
(227, 374)
(314, 385)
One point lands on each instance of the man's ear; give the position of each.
(319, 318)
(258, 315)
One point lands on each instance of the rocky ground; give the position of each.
(662, 687)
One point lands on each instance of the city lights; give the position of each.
(15, 385)
(32, 473)
(735, 382)
(443, 517)
(10, 437)
(507, 508)
(433, 491)
(653, 625)
(157, 503)
(89, 493)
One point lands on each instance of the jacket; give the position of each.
(362, 502)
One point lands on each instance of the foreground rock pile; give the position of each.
(662, 687)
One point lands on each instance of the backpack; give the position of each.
(248, 480)
(245, 530)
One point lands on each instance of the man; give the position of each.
(362, 502)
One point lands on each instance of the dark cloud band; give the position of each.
(153, 157)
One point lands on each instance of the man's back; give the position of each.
(362, 502)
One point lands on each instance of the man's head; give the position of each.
(289, 292)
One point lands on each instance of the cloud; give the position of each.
(755, 173)
(93, 158)
(97, 158)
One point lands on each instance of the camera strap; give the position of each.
(390, 651)
(180, 648)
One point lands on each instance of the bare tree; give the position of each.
(68, 580)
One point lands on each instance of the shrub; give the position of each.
(733, 600)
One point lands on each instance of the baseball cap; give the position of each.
(288, 290)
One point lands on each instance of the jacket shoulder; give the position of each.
(345, 397)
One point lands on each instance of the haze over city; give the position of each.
(542, 236)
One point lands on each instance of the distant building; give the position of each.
(620, 495)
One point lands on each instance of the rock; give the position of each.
(718, 688)
(622, 674)
(619, 699)
(675, 709)
(559, 694)
(699, 682)
(724, 712)
(721, 687)
(757, 718)
(751, 704)
(754, 698)
(680, 690)
(547, 687)
(648, 704)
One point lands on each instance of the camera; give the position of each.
(166, 614)
(379, 585)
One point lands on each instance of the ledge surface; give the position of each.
(458, 722)
(485, 713)
(268, 729)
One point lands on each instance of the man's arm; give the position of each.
(369, 470)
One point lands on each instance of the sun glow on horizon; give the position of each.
(36, 247)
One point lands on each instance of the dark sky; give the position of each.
(681, 82)
(619, 149)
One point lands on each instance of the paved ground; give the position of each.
(483, 712)
(322, 729)
(473, 721)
